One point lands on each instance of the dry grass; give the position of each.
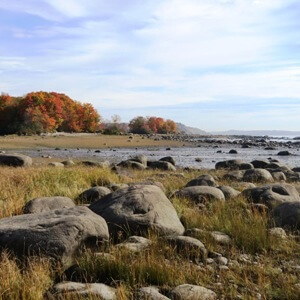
(85, 141)
(161, 264)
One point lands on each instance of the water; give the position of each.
(184, 156)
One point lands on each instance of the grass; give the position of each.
(89, 141)
(161, 264)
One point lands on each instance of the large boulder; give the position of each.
(260, 164)
(192, 292)
(228, 192)
(201, 194)
(15, 160)
(258, 175)
(44, 204)
(58, 234)
(272, 195)
(287, 215)
(137, 209)
(203, 180)
(93, 194)
(233, 164)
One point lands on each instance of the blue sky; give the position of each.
(213, 64)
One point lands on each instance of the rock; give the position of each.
(93, 194)
(258, 175)
(297, 169)
(39, 205)
(233, 151)
(56, 164)
(57, 233)
(221, 238)
(243, 185)
(272, 195)
(118, 186)
(192, 292)
(169, 159)
(68, 163)
(232, 164)
(156, 183)
(287, 215)
(203, 180)
(135, 244)
(86, 290)
(161, 165)
(150, 293)
(142, 159)
(221, 260)
(139, 208)
(284, 153)
(277, 232)
(278, 176)
(228, 192)
(259, 164)
(201, 194)
(132, 165)
(235, 175)
(102, 164)
(15, 160)
(189, 245)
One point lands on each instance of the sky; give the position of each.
(212, 64)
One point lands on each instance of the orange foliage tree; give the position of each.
(46, 112)
(152, 125)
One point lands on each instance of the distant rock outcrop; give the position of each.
(181, 128)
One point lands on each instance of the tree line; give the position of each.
(41, 112)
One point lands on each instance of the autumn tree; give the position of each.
(152, 125)
(46, 112)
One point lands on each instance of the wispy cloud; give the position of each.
(121, 54)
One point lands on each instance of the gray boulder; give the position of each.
(279, 176)
(259, 164)
(56, 164)
(74, 290)
(39, 205)
(138, 209)
(132, 165)
(161, 165)
(287, 215)
(235, 175)
(203, 180)
(169, 159)
(201, 194)
(228, 192)
(149, 293)
(57, 233)
(142, 159)
(135, 244)
(232, 164)
(192, 292)
(272, 195)
(15, 160)
(93, 194)
(187, 244)
(258, 175)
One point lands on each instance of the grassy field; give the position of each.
(82, 141)
(262, 273)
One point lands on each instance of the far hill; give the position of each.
(181, 128)
(259, 132)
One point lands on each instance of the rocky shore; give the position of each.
(148, 229)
